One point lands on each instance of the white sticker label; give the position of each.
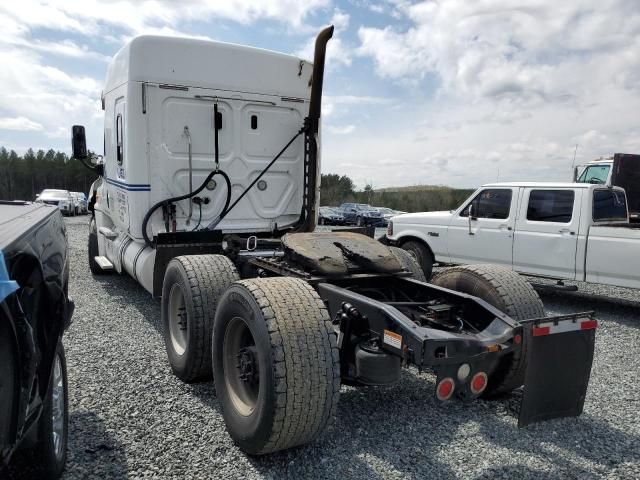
(393, 339)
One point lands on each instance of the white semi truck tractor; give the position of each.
(208, 197)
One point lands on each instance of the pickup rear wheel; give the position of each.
(191, 289)
(408, 263)
(510, 293)
(422, 254)
(275, 364)
(50, 452)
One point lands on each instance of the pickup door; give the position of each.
(613, 244)
(486, 236)
(546, 232)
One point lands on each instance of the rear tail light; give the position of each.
(445, 389)
(478, 383)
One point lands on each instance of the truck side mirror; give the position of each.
(78, 142)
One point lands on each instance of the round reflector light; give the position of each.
(445, 389)
(517, 339)
(463, 372)
(478, 383)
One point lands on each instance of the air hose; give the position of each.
(226, 208)
(145, 221)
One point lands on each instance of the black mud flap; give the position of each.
(559, 361)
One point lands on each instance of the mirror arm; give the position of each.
(98, 169)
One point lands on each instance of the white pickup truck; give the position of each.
(565, 231)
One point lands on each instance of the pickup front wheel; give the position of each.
(422, 255)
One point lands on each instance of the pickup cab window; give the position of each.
(595, 174)
(609, 205)
(550, 206)
(490, 203)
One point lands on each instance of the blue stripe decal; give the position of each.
(130, 187)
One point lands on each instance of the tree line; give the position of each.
(336, 189)
(22, 177)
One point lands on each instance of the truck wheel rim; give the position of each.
(57, 408)
(241, 367)
(178, 324)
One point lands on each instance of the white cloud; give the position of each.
(95, 17)
(20, 124)
(519, 83)
(338, 52)
(40, 95)
(341, 130)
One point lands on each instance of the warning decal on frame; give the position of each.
(393, 339)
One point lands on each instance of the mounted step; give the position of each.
(104, 263)
(110, 234)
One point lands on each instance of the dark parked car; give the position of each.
(361, 214)
(35, 309)
(388, 213)
(330, 216)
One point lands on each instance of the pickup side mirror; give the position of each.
(78, 142)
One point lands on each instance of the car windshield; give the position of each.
(363, 206)
(595, 174)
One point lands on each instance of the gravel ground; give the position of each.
(130, 417)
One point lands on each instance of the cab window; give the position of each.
(119, 141)
(595, 174)
(609, 205)
(550, 206)
(494, 203)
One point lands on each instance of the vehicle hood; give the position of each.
(56, 198)
(422, 217)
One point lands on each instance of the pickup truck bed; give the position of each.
(610, 257)
(19, 220)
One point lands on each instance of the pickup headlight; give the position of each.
(390, 229)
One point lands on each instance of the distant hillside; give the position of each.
(415, 188)
(336, 189)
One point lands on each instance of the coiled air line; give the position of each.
(215, 172)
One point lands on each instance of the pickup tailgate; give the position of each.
(612, 255)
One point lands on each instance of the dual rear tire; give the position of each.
(268, 342)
